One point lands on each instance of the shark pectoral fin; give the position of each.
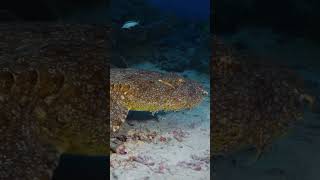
(118, 115)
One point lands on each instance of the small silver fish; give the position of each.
(130, 24)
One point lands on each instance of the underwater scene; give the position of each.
(160, 101)
(57, 60)
(54, 117)
(54, 101)
(265, 90)
(159, 89)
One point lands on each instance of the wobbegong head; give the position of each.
(153, 91)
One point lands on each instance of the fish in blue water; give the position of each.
(130, 24)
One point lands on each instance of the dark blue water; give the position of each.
(191, 9)
(82, 168)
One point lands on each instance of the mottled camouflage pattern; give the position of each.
(53, 97)
(51, 109)
(252, 103)
(141, 90)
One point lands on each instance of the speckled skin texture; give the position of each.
(253, 103)
(54, 97)
(141, 90)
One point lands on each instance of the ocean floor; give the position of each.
(296, 156)
(166, 145)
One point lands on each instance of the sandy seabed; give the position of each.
(171, 145)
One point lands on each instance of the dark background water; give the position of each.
(45, 10)
(191, 9)
(50, 10)
(295, 18)
(82, 167)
